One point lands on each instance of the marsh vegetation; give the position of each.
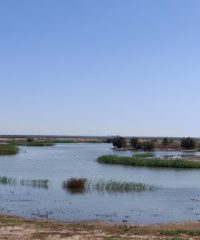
(139, 161)
(81, 185)
(8, 149)
(32, 143)
(36, 183)
(26, 191)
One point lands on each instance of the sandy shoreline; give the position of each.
(20, 228)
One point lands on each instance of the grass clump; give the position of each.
(81, 185)
(5, 180)
(35, 183)
(118, 186)
(8, 149)
(75, 185)
(148, 162)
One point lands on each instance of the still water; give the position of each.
(35, 189)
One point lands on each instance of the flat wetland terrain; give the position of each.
(115, 202)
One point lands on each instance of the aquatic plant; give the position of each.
(36, 183)
(75, 185)
(143, 155)
(7, 180)
(118, 186)
(8, 149)
(81, 185)
(148, 162)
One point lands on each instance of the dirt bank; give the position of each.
(18, 228)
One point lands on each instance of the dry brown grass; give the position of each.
(18, 228)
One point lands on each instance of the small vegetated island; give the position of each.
(148, 159)
(8, 149)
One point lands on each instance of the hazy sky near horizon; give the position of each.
(100, 67)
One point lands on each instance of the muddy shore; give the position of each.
(19, 228)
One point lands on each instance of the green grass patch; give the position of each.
(179, 232)
(146, 162)
(8, 149)
(143, 155)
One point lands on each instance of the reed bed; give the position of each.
(36, 183)
(8, 149)
(148, 162)
(8, 181)
(118, 186)
(76, 185)
(144, 155)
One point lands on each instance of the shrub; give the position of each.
(188, 143)
(120, 142)
(135, 143)
(165, 141)
(30, 139)
(148, 146)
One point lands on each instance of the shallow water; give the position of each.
(36, 189)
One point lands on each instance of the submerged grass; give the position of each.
(8, 149)
(118, 186)
(146, 162)
(35, 183)
(7, 181)
(81, 185)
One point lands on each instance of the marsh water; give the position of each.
(31, 186)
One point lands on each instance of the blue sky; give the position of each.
(100, 67)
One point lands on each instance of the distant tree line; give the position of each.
(134, 143)
(149, 145)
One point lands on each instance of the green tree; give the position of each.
(188, 143)
(120, 142)
(165, 141)
(148, 146)
(29, 139)
(134, 142)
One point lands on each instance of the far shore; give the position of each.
(158, 149)
(22, 228)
